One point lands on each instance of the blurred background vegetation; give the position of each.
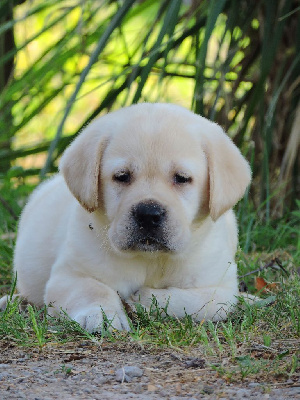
(237, 62)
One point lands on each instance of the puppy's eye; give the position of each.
(180, 179)
(122, 176)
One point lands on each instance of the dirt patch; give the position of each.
(89, 371)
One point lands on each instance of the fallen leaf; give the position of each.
(261, 285)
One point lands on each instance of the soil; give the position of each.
(85, 370)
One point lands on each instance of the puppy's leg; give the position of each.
(85, 300)
(211, 303)
(5, 300)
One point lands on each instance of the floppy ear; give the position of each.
(229, 172)
(80, 165)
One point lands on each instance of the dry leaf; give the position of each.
(261, 285)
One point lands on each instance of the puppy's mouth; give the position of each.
(147, 244)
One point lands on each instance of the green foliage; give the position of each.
(34, 327)
(236, 62)
(258, 233)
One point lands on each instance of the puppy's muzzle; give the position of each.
(148, 227)
(149, 216)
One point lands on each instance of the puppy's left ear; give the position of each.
(80, 165)
(229, 172)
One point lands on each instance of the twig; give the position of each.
(274, 263)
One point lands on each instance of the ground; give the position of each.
(253, 354)
(87, 370)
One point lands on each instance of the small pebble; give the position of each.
(253, 384)
(178, 398)
(3, 375)
(294, 390)
(101, 380)
(122, 377)
(3, 366)
(207, 389)
(138, 389)
(195, 363)
(126, 373)
(133, 371)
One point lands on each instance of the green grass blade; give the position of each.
(116, 20)
(213, 11)
(168, 27)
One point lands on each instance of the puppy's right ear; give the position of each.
(80, 165)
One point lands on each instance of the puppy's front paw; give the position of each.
(144, 296)
(94, 319)
(5, 300)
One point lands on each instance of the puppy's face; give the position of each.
(153, 171)
(153, 180)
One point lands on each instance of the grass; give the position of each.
(258, 341)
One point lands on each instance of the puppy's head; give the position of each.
(154, 170)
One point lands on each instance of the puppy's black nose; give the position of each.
(149, 216)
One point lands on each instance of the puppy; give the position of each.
(141, 208)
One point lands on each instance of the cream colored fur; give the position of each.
(70, 246)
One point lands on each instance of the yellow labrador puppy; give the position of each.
(142, 207)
